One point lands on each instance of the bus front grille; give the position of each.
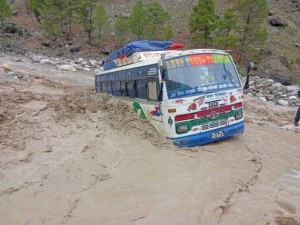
(214, 124)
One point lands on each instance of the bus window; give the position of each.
(126, 89)
(132, 89)
(152, 90)
(123, 88)
(98, 86)
(141, 71)
(137, 88)
(117, 88)
(128, 74)
(120, 75)
(104, 86)
(109, 87)
(142, 89)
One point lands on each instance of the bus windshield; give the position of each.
(200, 74)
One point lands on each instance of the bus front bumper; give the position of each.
(209, 136)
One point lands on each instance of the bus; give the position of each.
(193, 97)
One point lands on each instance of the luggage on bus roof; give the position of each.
(139, 46)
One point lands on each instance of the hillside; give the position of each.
(280, 55)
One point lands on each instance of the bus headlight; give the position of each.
(181, 129)
(238, 115)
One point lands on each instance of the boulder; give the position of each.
(67, 67)
(283, 102)
(277, 22)
(46, 44)
(275, 70)
(5, 67)
(75, 49)
(10, 28)
(284, 61)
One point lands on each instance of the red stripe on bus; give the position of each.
(200, 114)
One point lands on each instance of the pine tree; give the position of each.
(252, 14)
(85, 11)
(35, 6)
(203, 21)
(121, 29)
(138, 19)
(157, 16)
(52, 12)
(71, 14)
(227, 30)
(5, 11)
(150, 32)
(100, 18)
(168, 33)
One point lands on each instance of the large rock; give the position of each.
(10, 28)
(277, 22)
(75, 49)
(273, 69)
(284, 61)
(5, 67)
(67, 67)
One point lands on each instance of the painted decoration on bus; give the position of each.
(200, 74)
(139, 110)
(155, 112)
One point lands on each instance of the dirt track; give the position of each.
(71, 156)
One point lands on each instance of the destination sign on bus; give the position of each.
(198, 60)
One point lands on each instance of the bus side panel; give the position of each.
(149, 111)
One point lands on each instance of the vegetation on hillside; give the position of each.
(5, 11)
(240, 27)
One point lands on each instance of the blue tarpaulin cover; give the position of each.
(135, 46)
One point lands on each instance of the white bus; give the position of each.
(193, 97)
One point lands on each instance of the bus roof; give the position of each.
(154, 57)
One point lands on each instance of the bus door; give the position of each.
(153, 103)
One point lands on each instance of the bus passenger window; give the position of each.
(126, 89)
(104, 86)
(132, 89)
(143, 89)
(123, 88)
(137, 89)
(152, 91)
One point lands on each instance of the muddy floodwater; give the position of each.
(71, 156)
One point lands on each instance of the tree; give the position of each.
(138, 19)
(53, 16)
(227, 30)
(100, 18)
(35, 6)
(203, 21)
(85, 11)
(121, 29)
(157, 16)
(150, 32)
(252, 14)
(70, 13)
(168, 33)
(5, 11)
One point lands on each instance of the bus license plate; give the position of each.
(217, 134)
